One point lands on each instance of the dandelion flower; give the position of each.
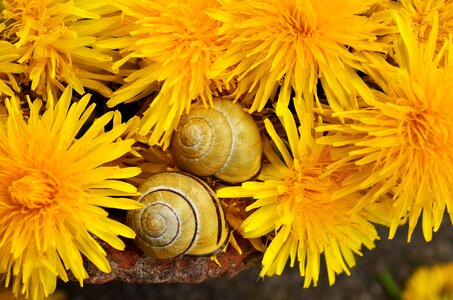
(53, 185)
(178, 44)
(430, 283)
(294, 207)
(291, 45)
(57, 39)
(422, 14)
(402, 139)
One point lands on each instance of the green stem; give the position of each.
(389, 285)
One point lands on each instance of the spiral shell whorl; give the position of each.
(160, 225)
(200, 141)
(223, 141)
(181, 216)
(155, 225)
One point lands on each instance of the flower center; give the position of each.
(34, 190)
(297, 22)
(427, 130)
(309, 186)
(196, 31)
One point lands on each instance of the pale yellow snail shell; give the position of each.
(223, 141)
(181, 216)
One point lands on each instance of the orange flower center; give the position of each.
(298, 23)
(427, 129)
(309, 186)
(35, 189)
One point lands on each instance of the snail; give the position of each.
(223, 141)
(181, 216)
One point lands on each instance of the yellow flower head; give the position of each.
(295, 209)
(422, 14)
(402, 139)
(430, 283)
(178, 43)
(53, 183)
(289, 45)
(57, 39)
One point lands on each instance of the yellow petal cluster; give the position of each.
(422, 15)
(430, 283)
(295, 208)
(178, 44)
(280, 50)
(57, 43)
(402, 138)
(53, 185)
(8, 66)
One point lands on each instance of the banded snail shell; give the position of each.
(181, 216)
(223, 141)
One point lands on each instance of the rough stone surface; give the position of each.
(132, 266)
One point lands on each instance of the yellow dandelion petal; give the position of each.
(260, 222)
(290, 45)
(9, 66)
(296, 209)
(278, 142)
(402, 140)
(52, 188)
(122, 203)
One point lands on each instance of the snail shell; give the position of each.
(222, 140)
(181, 215)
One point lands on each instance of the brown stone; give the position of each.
(132, 266)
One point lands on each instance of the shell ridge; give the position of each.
(194, 149)
(177, 230)
(189, 228)
(229, 117)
